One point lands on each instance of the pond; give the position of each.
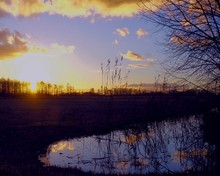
(161, 147)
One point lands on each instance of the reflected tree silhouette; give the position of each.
(159, 147)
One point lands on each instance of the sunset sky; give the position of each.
(65, 41)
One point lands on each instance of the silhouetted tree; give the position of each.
(192, 37)
(8, 86)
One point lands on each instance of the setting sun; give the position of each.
(51, 44)
(109, 87)
(33, 86)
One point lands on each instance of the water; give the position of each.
(161, 147)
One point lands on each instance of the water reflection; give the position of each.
(161, 147)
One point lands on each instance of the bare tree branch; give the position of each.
(192, 38)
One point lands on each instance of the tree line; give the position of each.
(54, 89)
(16, 87)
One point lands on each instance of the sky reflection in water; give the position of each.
(167, 146)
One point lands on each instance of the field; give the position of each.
(28, 124)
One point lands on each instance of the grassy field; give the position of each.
(28, 124)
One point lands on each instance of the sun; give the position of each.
(33, 86)
(33, 68)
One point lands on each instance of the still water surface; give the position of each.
(161, 147)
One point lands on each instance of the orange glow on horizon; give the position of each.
(33, 87)
(34, 67)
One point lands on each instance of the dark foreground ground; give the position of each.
(29, 124)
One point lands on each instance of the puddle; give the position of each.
(161, 147)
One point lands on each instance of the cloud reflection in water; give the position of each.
(162, 147)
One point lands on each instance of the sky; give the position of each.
(66, 41)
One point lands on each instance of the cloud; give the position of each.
(71, 8)
(61, 49)
(123, 32)
(136, 66)
(115, 42)
(54, 49)
(3, 13)
(133, 56)
(140, 33)
(12, 45)
(130, 55)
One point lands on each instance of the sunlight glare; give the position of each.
(33, 86)
(34, 68)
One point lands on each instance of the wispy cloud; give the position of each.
(140, 33)
(130, 55)
(71, 8)
(62, 49)
(136, 66)
(53, 49)
(12, 44)
(123, 32)
(115, 42)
